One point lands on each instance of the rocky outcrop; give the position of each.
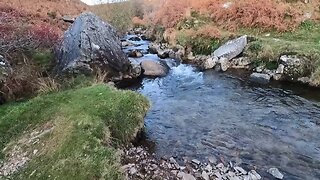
(154, 69)
(91, 44)
(231, 49)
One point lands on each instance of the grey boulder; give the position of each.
(260, 78)
(91, 44)
(232, 48)
(154, 69)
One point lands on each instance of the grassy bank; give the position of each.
(71, 134)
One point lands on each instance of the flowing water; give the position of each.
(199, 114)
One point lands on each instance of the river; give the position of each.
(201, 114)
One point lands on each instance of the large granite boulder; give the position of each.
(232, 48)
(91, 44)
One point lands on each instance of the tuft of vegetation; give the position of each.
(86, 126)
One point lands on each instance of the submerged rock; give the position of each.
(275, 173)
(260, 78)
(91, 44)
(154, 68)
(232, 48)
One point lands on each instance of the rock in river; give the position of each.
(91, 44)
(275, 173)
(154, 68)
(260, 78)
(232, 48)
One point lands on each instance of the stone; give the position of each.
(126, 44)
(240, 170)
(133, 170)
(135, 54)
(223, 64)
(196, 161)
(209, 63)
(294, 66)
(240, 63)
(163, 53)
(254, 175)
(90, 44)
(135, 38)
(68, 19)
(260, 78)
(277, 77)
(188, 177)
(205, 175)
(280, 69)
(304, 80)
(153, 48)
(154, 68)
(232, 48)
(275, 173)
(259, 69)
(212, 160)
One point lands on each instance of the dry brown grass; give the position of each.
(47, 85)
(265, 15)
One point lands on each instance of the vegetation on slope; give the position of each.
(85, 126)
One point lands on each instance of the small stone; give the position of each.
(254, 175)
(209, 63)
(208, 168)
(133, 171)
(188, 177)
(240, 170)
(280, 69)
(260, 78)
(35, 151)
(212, 160)
(275, 173)
(195, 161)
(205, 175)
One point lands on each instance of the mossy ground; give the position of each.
(88, 125)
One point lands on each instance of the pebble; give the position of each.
(275, 173)
(195, 161)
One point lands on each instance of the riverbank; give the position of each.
(72, 134)
(286, 57)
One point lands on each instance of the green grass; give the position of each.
(89, 124)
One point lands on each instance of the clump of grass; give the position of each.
(47, 85)
(88, 124)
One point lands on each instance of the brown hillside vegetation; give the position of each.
(43, 11)
(268, 14)
(29, 30)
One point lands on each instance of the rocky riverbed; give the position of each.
(138, 163)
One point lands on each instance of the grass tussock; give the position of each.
(88, 123)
